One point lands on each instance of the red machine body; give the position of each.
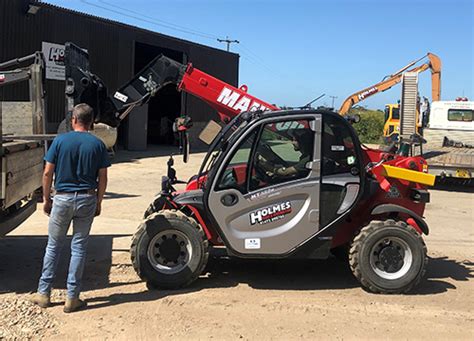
(228, 100)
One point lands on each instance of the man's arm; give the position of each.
(286, 171)
(101, 187)
(47, 183)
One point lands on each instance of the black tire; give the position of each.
(388, 257)
(178, 230)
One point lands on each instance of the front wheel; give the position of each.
(169, 250)
(388, 257)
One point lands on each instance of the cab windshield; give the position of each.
(222, 141)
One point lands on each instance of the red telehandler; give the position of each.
(278, 184)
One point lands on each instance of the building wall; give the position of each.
(111, 49)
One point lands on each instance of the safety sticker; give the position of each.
(121, 97)
(252, 243)
(336, 148)
(270, 213)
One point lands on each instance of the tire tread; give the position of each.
(360, 239)
(169, 214)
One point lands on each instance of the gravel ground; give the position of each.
(20, 319)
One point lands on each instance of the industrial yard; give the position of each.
(234, 299)
(251, 171)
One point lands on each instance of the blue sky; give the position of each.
(293, 51)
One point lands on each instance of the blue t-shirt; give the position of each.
(77, 157)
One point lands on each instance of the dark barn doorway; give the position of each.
(165, 106)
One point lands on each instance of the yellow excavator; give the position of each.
(392, 111)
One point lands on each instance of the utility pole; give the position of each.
(228, 41)
(333, 98)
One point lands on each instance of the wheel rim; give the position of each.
(391, 258)
(169, 251)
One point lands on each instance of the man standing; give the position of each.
(79, 162)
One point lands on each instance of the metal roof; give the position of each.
(128, 26)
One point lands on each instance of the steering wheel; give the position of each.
(268, 153)
(329, 164)
(229, 179)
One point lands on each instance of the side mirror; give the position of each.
(353, 118)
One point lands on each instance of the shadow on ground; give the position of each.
(225, 272)
(113, 195)
(21, 257)
(21, 260)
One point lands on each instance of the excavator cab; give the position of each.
(391, 126)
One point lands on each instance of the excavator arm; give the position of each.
(434, 64)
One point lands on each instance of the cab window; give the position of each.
(339, 159)
(236, 171)
(463, 115)
(395, 113)
(338, 149)
(282, 153)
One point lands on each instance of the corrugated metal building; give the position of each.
(116, 52)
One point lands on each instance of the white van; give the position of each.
(453, 121)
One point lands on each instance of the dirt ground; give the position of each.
(235, 299)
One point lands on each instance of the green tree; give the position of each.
(370, 127)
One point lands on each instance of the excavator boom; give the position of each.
(434, 64)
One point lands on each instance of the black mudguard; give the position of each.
(160, 203)
(391, 208)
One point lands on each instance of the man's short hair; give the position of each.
(83, 113)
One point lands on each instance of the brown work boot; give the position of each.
(42, 300)
(74, 304)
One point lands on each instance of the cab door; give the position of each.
(265, 195)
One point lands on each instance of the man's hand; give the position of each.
(98, 208)
(47, 181)
(47, 206)
(101, 186)
(264, 163)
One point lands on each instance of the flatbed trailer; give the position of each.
(22, 144)
(21, 169)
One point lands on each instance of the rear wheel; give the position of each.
(388, 257)
(169, 250)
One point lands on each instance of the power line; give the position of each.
(250, 51)
(150, 20)
(251, 56)
(247, 53)
(172, 25)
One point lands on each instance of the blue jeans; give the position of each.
(80, 209)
